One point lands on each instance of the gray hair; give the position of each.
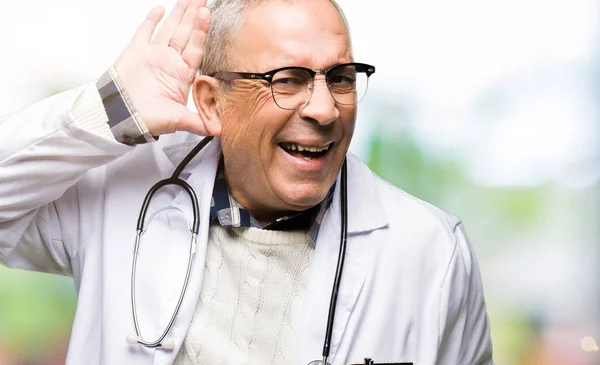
(226, 19)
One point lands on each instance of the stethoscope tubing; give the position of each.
(173, 180)
(340, 262)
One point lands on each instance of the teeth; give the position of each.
(300, 148)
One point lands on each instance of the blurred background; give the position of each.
(488, 109)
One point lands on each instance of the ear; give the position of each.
(204, 92)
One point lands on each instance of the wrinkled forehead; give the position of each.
(310, 33)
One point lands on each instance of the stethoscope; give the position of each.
(169, 344)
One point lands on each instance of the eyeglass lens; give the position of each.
(292, 88)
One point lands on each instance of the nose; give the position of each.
(321, 106)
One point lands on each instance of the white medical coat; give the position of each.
(69, 203)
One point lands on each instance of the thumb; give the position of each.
(146, 29)
(191, 122)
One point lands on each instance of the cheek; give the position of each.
(348, 122)
(249, 125)
(241, 117)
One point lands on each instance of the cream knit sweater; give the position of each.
(251, 298)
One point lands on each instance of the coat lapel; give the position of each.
(200, 174)
(365, 214)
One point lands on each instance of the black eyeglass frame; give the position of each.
(268, 76)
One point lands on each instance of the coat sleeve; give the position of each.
(464, 325)
(46, 149)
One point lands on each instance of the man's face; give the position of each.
(263, 171)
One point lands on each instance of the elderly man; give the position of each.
(278, 91)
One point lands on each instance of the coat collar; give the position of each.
(365, 212)
(178, 145)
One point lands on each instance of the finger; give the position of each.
(145, 30)
(168, 28)
(191, 122)
(192, 54)
(203, 19)
(182, 33)
(194, 50)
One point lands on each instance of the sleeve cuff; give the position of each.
(124, 121)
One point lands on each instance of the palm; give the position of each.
(158, 73)
(168, 81)
(173, 74)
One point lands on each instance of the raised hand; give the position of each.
(158, 73)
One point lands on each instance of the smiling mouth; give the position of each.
(306, 152)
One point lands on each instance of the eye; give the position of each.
(348, 79)
(291, 78)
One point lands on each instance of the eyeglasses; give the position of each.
(292, 87)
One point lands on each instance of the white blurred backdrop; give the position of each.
(508, 90)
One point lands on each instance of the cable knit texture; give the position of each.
(251, 298)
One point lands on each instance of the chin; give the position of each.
(305, 197)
